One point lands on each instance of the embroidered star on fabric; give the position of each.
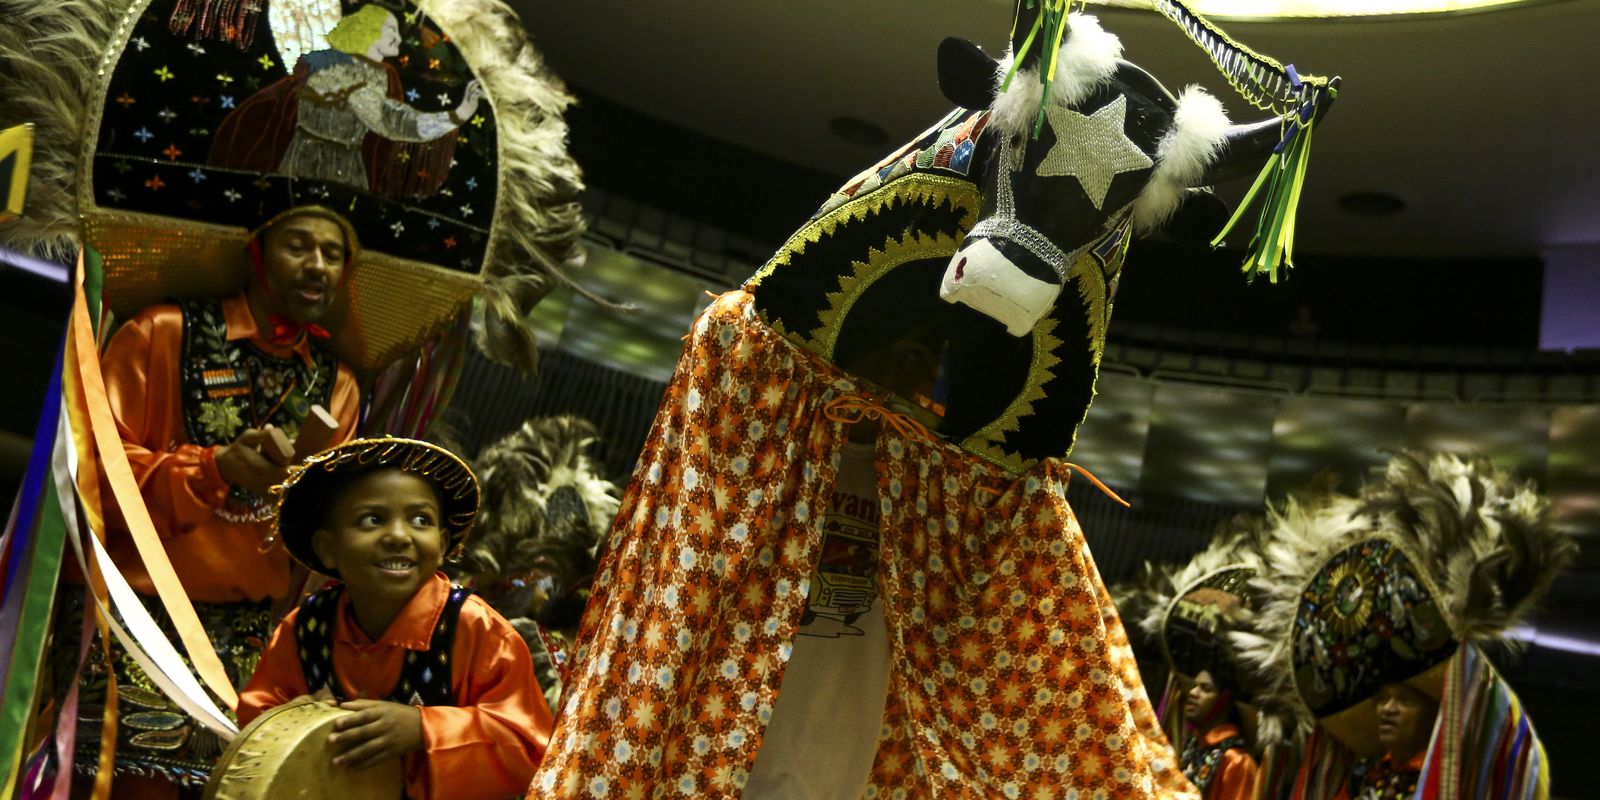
(1092, 148)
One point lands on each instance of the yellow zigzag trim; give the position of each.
(920, 188)
(1041, 370)
(914, 247)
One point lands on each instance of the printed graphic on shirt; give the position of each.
(844, 584)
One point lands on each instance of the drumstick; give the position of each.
(316, 433)
(277, 447)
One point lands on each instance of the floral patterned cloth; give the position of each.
(1011, 673)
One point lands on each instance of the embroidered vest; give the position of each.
(424, 677)
(1199, 763)
(1373, 779)
(229, 386)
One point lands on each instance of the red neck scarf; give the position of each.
(284, 331)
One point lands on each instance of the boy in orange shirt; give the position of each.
(434, 675)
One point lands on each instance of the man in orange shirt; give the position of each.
(434, 675)
(1406, 716)
(1216, 756)
(194, 386)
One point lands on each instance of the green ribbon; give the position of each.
(44, 570)
(1278, 187)
(1052, 21)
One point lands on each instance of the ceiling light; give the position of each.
(1277, 9)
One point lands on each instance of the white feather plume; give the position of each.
(1087, 58)
(1183, 155)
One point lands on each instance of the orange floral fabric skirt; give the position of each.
(1011, 675)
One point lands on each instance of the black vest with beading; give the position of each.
(424, 676)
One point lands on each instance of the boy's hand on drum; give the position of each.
(378, 731)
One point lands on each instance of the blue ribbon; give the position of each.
(44, 438)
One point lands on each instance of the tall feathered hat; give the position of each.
(1401, 584)
(1190, 611)
(546, 512)
(172, 131)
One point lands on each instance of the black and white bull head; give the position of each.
(1108, 147)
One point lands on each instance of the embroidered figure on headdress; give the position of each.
(342, 116)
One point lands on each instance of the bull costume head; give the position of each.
(979, 227)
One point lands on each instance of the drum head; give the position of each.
(285, 753)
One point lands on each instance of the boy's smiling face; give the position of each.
(383, 535)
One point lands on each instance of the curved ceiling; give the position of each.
(1277, 9)
(1483, 124)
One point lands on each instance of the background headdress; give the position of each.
(171, 130)
(533, 553)
(1402, 584)
(1190, 612)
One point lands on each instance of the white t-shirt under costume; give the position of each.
(825, 726)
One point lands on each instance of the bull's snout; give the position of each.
(981, 277)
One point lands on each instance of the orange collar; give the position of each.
(242, 325)
(411, 629)
(1414, 764)
(1216, 735)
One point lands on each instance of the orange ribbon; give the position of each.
(853, 408)
(1096, 481)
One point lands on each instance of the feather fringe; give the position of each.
(48, 53)
(1087, 59)
(540, 221)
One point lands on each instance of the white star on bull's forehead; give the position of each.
(1092, 148)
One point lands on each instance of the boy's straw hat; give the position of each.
(304, 496)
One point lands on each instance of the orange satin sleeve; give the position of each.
(179, 481)
(1236, 777)
(488, 747)
(217, 561)
(345, 404)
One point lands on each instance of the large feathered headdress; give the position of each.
(170, 131)
(1437, 554)
(1191, 611)
(546, 511)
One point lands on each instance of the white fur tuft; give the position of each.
(1182, 157)
(1086, 59)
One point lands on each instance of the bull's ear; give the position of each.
(966, 74)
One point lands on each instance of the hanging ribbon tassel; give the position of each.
(1052, 22)
(1278, 189)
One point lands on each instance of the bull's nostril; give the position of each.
(961, 267)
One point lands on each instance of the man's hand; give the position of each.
(242, 464)
(378, 731)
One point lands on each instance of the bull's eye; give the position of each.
(961, 267)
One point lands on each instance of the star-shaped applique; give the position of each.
(1092, 148)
